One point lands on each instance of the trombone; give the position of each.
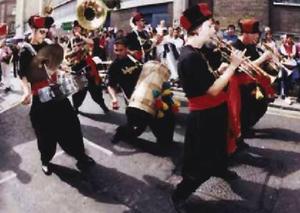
(247, 66)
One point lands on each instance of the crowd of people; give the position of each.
(228, 79)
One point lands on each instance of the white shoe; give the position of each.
(288, 101)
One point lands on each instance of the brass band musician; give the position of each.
(54, 120)
(139, 43)
(83, 63)
(204, 153)
(249, 97)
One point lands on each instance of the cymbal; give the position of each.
(51, 55)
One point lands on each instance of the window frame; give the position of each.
(286, 4)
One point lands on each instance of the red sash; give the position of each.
(234, 104)
(38, 85)
(206, 101)
(94, 71)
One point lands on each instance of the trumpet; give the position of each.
(247, 66)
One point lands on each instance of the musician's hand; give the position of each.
(222, 68)
(237, 57)
(26, 99)
(115, 105)
(266, 56)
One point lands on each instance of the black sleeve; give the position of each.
(132, 41)
(25, 59)
(112, 75)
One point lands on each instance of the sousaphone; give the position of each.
(91, 14)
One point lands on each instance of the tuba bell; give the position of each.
(91, 14)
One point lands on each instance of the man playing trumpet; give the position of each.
(204, 153)
(248, 96)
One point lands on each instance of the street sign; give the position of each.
(67, 26)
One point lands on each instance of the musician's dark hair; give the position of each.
(121, 41)
(290, 36)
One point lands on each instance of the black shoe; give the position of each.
(242, 145)
(116, 139)
(179, 205)
(105, 110)
(76, 110)
(85, 163)
(6, 90)
(227, 175)
(46, 168)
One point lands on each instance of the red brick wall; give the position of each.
(230, 11)
(285, 19)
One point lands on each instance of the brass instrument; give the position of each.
(277, 60)
(91, 14)
(247, 66)
(74, 57)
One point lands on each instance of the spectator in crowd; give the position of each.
(287, 79)
(161, 27)
(230, 35)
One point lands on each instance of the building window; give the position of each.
(287, 2)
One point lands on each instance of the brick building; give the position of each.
(8, 14)
(281, 15)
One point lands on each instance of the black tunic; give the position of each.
(204, 153)
(124, 73)
(53, 121)
(252, 109)
(133, 41)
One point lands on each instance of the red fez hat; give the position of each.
(40, 22)
(249, 26)
(137, 17)
(195, 16)
(3, 29)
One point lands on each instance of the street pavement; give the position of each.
(138, 177)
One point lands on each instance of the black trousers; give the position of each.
(56, 122)
(204, 149)
(96, 93)
(138, 120)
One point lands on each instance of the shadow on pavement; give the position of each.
(108, 185)
(112, 117)
(277, 134)
(139, 145)
(16, 135)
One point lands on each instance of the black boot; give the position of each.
(179, 205)
(227, 175)
(85, 163)
(46, 168)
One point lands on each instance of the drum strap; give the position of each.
(30, 48)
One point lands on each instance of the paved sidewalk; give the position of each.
(12, 98)
(289, 103)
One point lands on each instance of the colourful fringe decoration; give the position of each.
(164, 100)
